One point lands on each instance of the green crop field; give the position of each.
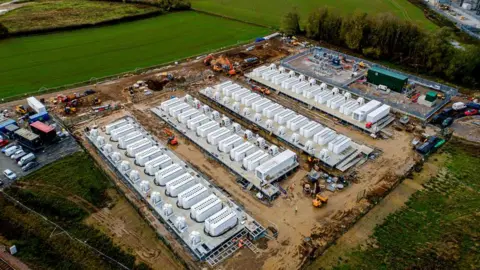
(29, 63)
(270, 12)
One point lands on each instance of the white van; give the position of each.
(12, 150)
(25, 159)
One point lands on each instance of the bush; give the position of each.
(291, 23)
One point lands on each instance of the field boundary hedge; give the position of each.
(232, 19)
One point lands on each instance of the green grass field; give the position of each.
(270, 12)
(29, 63)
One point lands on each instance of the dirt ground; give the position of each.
(468, 128)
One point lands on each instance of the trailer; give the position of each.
(378, 114)
(147, 155)
(276, 166)
(229, 143)
(197, 121)
(129, 138)
(179, 184)
(168, 173)
(205, 208)
(360, 114)
(205, 129)
(214, 137)
(158, 163)
(175, 111)
(166, 105)
(221, 222)
(192, 195)
(185, 116)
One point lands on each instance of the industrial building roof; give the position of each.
(27, 134)
(42, 127)
(12, 127)
(389, 73)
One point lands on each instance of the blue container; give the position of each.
(42, 117)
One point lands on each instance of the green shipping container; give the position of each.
(431, 96)
(392, 80)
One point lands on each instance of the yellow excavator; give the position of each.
(319, 201)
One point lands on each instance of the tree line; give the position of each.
(386, 37)
(166, 5)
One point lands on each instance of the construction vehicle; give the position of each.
(172, 140)
(96, 101)
(319, 201)
(70, 110)
(231, 71)
(262, 90)
(208, 60)
(20, 109)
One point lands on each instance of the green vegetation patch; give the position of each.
(270, 12)
(29, 63)
(42, 14)
(439, 227)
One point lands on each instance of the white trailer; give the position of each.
(229, 143)
(237, 96)
(227, 91)
(219, 87)
(121, 131)
(214, 137)
(192, 195)
(295, 123)
(175, 111)
(36, 105)
(185, 116)
(196, 121)
(241, 149)
(156, 164)
(311, 129)
(271, 111)
(170, 103)
(179, 184)
(132, 151)
(251, 157)
(259, 105)
(147, 155)
(115, 125)
(276, 166)
(221, 222)
(205, 208)
(378, 114)
(207, 128)
(129, 138)
(255, 162)
(360, 114)
(284, 116)
(163, 176)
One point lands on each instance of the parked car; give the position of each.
(26, 159)
(473, 105)
(30, 165)
(457, 106)
(10, 174)
(438, 119)
(471, 112)
(7, 146)
(10, 151)
(1, 183)
(447, 122)
(3, 142)
(18, 154)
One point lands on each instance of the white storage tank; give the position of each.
(197, 121)
(229, 143)
(207, 128)
(276, 166)
(221, 222)
(378, 114)
(121, 131)
(170, 103)
(115, 125)
(192, 195)
(179, 184)
(175, 111)
(156, 164)
(205, 208)
(183, 117)
(360, 114)
(138, 147)
(218, 135)
(167, 174)
(251, 157)
(129, 138)
(147, 155)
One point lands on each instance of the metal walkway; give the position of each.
(226, 250)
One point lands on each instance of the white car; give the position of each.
(10, 174)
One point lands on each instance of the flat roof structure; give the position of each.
(27, 134)
(389, 73)
(177, 219)
(42, 127)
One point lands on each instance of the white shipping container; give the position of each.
(295, 123)
(277, 79)
(298, 87)
(132, 145)
(350, 109)
(221, 222)
(285, 116)
(170, 103)
(237, 96)
(179, 184)
(227, 91)
(258, 71)
(156, 164)
(327, 138)
(360, 114)
(250, 157)
(239, 148)
(270, 112)
(378, 114)
(175, 111)
(192, 195)
(337, 149)
(269, 74)
(115, 125)
(147, 155)
(207, 128)
(247, 97)
(311, 130)
(335, 141)
(290, 82)
(259, 105)
(219, 87)
(214, 137)
(322, 133)
(129, 138)
(276, 166)
(205, 208)
(196, 121)
(167, 174)
(250, 99)
(334, 100)
(229, 143)
(323, 97)
(121, 131)
(183, 117)
(36, 105)
(345, 105)
(132, 151)
(254, 163)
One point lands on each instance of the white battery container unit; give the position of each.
(323, 97)
(350, 109)
(239, 148)
(285, 116)
(214, 137)
(243, 153)
(121, 131)
(237, 96)
(251, 157)
(312, 90)
(295, 123)
(254, 163)
(249, 100)
(322, 133)
(296, 87)
(197, 121)
(129, 138)
(267, 75)
(233, 92)
(289, 81)
(207, 128)
(229, 143)
(311, 130)
(192, 195)
(221, 222)
(247, 97)
(147, 155)
(277, 79)
(258, 71)
(134, 144)
(115, 125)
(132, 151)
(168, 173)
(323, 140)
(276, 166)
(220, 86)
(346, 105)
(333, 142)
(334, 100)
(185, 116)
(360, 114)
(378, 114)
(169, 103)
(270, 112)
(175, 111)
(205, 208)
(179, 184)
(301, 89)
(227, 91)
(258, 105)
(342, 146)
(156, 164)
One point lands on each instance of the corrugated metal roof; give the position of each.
(42, 127)
(11, 127)
(27, 134)
(389, 73)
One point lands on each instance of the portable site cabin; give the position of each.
(28, 139)
(381, 76)
(47, 133)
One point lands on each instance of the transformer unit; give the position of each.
(283, 117)
(310, 146)
(272, 110)
(237, 96)
(219, 87)
(378, 114)
(156, 198)
(156, 164)
(282, 130)
(179, 184)
(276, 166)
(167, 174)
(115, 125)
(185, 116)
(121, 131)
(295, 138)
(205, 208)
(236, 127)
(360, 114)
(129, 138)
(229, 143)
(175, 111)
(192, 195)
(170, 103)
(218, 135)
(240, 152)
(295, 123)
(147, 155)
(221, 222)
(131, 148)
(207, 128)
(197, 121)
(251, 157)
(227, 91)
(215, 115)
(310, 129)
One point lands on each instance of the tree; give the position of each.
(291, 23)
(315, 23)
(464, 66)
(353, 30)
